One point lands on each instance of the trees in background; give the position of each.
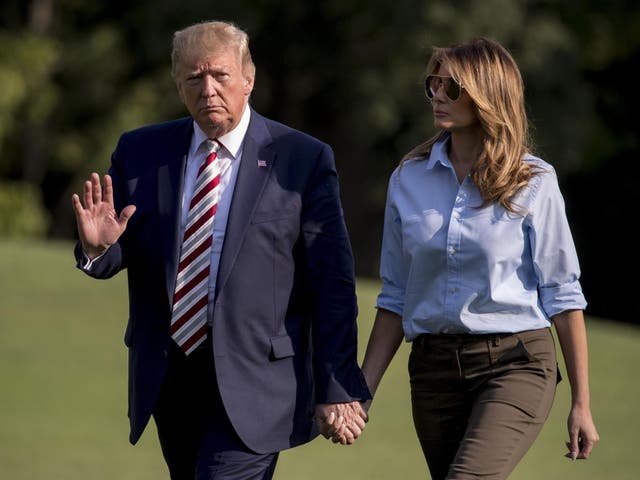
(75, 74)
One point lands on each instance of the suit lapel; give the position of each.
(255, 165)
(170, 185)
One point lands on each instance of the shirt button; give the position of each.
(452, 290)
(456, 215)
(452, 250)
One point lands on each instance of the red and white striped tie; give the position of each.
(189, 318)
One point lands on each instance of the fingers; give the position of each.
(581, 452)
(93, 195)
(573, 451)
(583, 434)
(362, 411)
(99, 225)
(358, 422)
(107, 194)
(581, 449)
(344, 436)
(339, 422)
(96, 188)
(585, 449)
(572, 445)
(87, 195)
(322, 417)
(347, 422)
(92, 192)
(586, 442)
(77, 205)
(331, 418)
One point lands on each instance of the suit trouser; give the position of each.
(479, 401)
(198, 441)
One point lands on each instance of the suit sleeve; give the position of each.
(331, 281)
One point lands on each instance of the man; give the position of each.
(242, 302)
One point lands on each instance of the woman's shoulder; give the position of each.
(538, 164)
(544, 179)
(407, 168)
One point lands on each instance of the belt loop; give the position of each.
(496, 341)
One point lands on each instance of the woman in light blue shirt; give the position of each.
(477, 264)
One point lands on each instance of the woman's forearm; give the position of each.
(384, 340)
(572, 336)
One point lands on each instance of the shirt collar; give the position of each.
(439, 153)
(231, 141)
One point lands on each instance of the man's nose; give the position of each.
(208, 86)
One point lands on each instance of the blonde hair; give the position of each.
(211, 36)
(492, 80)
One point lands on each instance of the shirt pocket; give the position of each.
(421, 228)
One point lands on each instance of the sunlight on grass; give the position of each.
(63, 406)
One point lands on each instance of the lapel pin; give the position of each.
(262, 163)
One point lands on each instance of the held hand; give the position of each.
(342, 422)
(355, 418)
(99, 227)
(582, 433)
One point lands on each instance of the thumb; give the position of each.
(126, 214)
(331, 418)
(572, 445)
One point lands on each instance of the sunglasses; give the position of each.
(452, 89)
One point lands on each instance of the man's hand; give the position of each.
(98, 225)
(342, 422)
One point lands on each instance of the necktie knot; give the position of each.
(211, 146)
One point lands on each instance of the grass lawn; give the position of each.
(63, 402)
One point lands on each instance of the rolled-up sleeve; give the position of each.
(554, 254)
(393, 265)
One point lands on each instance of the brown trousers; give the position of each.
(479, 401)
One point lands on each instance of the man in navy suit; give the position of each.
(278, 363)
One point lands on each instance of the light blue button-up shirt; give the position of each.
(448, 267)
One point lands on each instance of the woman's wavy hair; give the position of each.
(492, 80)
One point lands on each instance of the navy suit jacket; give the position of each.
(284, 324)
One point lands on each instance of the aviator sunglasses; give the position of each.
(452, 89)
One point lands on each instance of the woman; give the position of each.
(477, 263)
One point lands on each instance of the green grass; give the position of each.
(63, 399)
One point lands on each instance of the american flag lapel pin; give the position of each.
(262, 163)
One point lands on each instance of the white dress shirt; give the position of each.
(229, 157)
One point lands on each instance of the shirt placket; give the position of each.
(453, 245)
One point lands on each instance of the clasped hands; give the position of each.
(343, 423)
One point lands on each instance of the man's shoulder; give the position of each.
(158, 140)
(281, 132)
(161, 129)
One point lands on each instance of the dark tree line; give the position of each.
(75, 74)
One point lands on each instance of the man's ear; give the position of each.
(248, 85)
(179, 88)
